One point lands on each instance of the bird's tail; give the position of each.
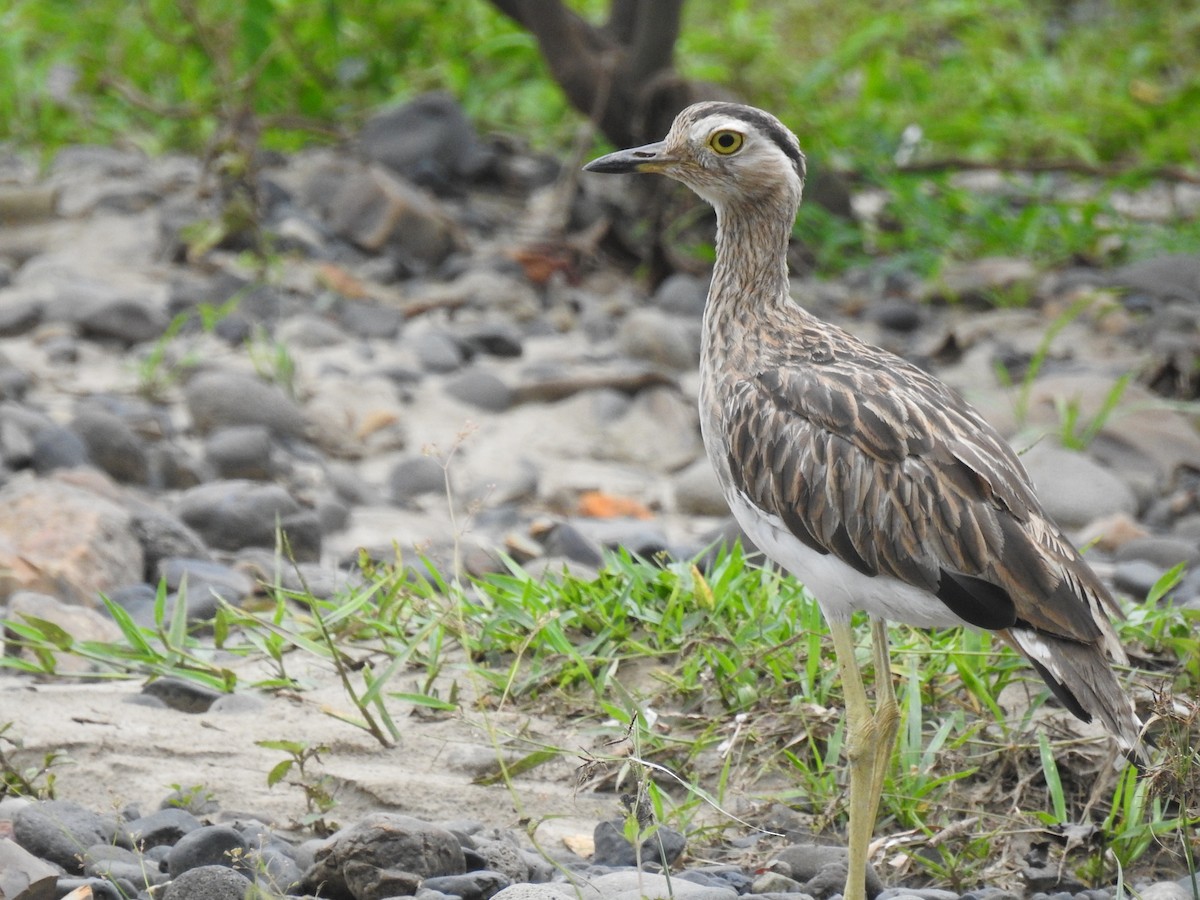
(1081, 677)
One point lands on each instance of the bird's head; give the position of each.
(725, 152)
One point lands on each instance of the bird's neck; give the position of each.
(750, 285)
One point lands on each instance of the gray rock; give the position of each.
(208, 882)
(241, 451)
(57, 447)
(821, 869)
(1163, 551)
(19, 317)
(217, 399)
(698, 492)
(478, 885)
(1074, 490)
(654, 336)
(415, 476)
(184, 696)
(775, 883)
(663, 847)
(209, 845)
(98, 888)
(504, 857)
(682, 295)
(642, 537)
(163, 827)
(566, 540)
(275, 866)
(124, 320)
(535, 892)
(307, 330)
(60, 830)
(230, 515)
(164, 535)
(113, 445)
(204, 576)
(384, 841)
(1175, 277)
(980, 280)
(371, 320)
(437, 351)
(493, 339)
(23, 875)
(1136, 577)
(659, 430)
(480, 388)
(429, 140)
(897, 315)
(635, 885)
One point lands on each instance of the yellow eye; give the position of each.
(725, 142)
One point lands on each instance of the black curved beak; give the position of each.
(649, 158)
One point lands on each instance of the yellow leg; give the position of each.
(870, 738)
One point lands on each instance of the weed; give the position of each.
(318, 794)
(36, 781)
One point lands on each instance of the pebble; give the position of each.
(214, 882)
(481, 389)
(1074, 489)
(56, 830)
(217, 399)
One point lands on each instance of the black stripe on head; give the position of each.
(768, 125)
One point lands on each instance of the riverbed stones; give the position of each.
(59, 830)
(218, 399)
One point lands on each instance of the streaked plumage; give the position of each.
(870, 480)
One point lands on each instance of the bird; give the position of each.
(864, 476)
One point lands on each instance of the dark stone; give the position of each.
(23, 875)
(664, 846)
(478, 885)
(568, 541)
(1174, 277)
(126, 321)
(56, 447)
(59, 830)
(208, 882)
(415, 476)
(205, 577)
(230, 515)
(112, 445)
(99, 888)
(18, 317)
(241, 451)
(217, 399)
(185, 696)
(822, 869)
(494, 339)
(209, 845)
(163, 827)
(429, 141)
(897, 315)
(437, 352)
(481, 389)
(164, 536)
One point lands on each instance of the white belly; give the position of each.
(839, 589)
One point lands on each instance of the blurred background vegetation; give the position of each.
(1098, 88)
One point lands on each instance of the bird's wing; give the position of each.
(902, 477)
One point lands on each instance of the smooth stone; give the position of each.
(660, 431)
(185, 696)
(80, 622)
(275, 866)
(902, 316)
(19, 317)
(481, 884)
(1163, 551)
(163, 827)
(217, 399)
(58, 447)
(481, 389)
(125, 320)
(664, 847)
(1076, 491)
(208, 845)
(437, 351)
(310, 332)
(501, 856)
(241, 451)
(635, 885)
(230, 515)
(208, 882)
(682, 295)
(205, 577)
(371, 320)
(24, 875)
(644, 538)
(416, 476)
(56, 830)
(165, 536)
(113, 445)
(499, 339)
(656, 337)
(821, 869)
(698, 492)
(97, 888)
(775, 883)
(1172, 277)
(535, 892)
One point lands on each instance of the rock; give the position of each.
(241, 451)
(206, 582)
(371, 320)
(209, 883)
(901, 316)
(503, 857)
(217, 399)
(1174, 277)
(982, 280)
(230, 515)
(384, 841)
(641, 537)
(682, 295)
(1136, 577)
(113, 445)
(81, 623)
(416, 476)
(126, 321)
(1074, 490)
(478, 885)
(19, 317)
(161, 828)
(428, 141)
(1162, 551)
(654, 336)
(59, 830)
(535, 892)
(56, 447)
(437, 351)
(821, 869)
(659, 430)
(181, 695)
(635, 885)
(163, 535)
(208, 845)
(94, 889)
(23, 876)
(480, 388)
(62, 540)
(698, 492)
(663, 848)
(309, 331)
(493, 339)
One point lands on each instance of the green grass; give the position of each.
(725, 685)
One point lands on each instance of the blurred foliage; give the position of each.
(1084, 80)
